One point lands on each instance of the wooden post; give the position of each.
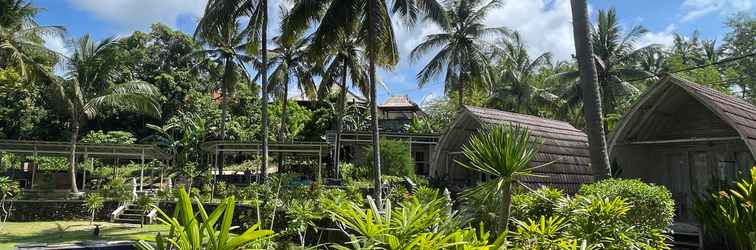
(320, 158)
(84, 175)
(34, 168)
(141, 173)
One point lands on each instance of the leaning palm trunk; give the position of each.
(591, 94)
(72, 166)
(340, 120)
(264, 55)
(372, 22)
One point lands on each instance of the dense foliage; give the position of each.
(729, 214)
(395, 158)
(653, 206)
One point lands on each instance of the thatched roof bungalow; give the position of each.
(562, 143)
(686, 137)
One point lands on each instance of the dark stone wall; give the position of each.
(47, 210)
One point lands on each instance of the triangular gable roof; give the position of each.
(736, 112)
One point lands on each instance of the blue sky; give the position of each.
(545, 25)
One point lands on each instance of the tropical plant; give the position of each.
(515, 85)
(22, 41)
(93, 203)
(537, 203)
(461, 47)
(411, 225)
(200, 230)
(145, 203)
(372, 18)
(8, 188)
(89, 90)
(302, 215)
(396, 158)
(590, 89)
(729, 215)
(503, 153)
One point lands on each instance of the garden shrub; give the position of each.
(653, 207)
(110, 137)
(541, 202)
(395, 158)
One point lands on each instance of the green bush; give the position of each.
(652, 205)
(532, 205)
(395, 158)
(110, 137)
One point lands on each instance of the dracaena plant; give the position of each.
(200, 230)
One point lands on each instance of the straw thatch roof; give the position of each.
(561, 143)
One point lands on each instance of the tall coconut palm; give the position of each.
(226, 46)
(89, 89)
(515, 87)
(373, 18)
(291, 59)
(614, 55)
(219, 12)
(22, 43)
(461, 47)
(345, 61)
(589, 80)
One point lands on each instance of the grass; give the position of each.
(55, 232)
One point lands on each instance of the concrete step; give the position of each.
(132, 221)
(129, 216)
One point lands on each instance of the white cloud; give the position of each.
(545, 25)
(140, 14)
(693, 9)
(664, 38)
(57, 44)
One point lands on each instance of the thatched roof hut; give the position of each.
(684, 136)
(562, 144)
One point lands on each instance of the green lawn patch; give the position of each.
(56, 232)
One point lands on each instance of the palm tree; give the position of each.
(291, 60)
(346, 60)
(21, 40)
(461, 47)
(515, 86)
(371, 17)
(503, 153)
(88, 90)
(227, 45)
(614, 56)
(220, 11)
(590, 90)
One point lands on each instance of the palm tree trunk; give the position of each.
(506, 207)
(284, 120)
(265, 125)
(461, 94)
(340, 120)
(372, 22)
(72, 162)
(224, 109)
(591, 94)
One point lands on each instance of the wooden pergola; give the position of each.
(87, 151)
(214, 148)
